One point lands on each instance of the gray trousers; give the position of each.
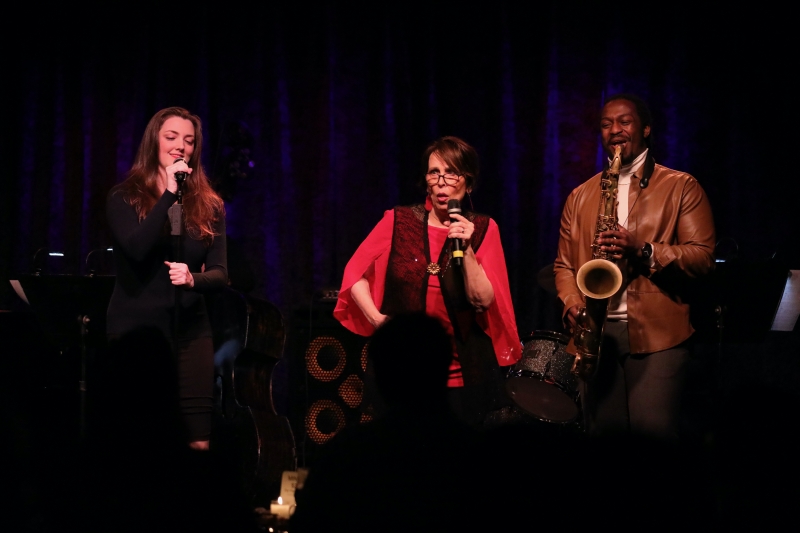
(639, 393)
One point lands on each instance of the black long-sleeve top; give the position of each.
(143, 293)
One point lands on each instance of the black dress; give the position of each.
(144, 296)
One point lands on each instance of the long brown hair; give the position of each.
(202, 206)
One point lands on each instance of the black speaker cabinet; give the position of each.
(327, 374)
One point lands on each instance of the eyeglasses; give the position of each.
(449, 178)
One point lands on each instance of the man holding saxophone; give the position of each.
(663, 237)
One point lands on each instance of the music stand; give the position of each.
(789, 308)
(69, 309)
(740, 301)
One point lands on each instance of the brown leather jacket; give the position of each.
(674, 215)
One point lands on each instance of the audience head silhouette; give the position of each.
(411, 355)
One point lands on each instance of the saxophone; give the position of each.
(598, 279)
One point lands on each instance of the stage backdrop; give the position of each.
(315, 117)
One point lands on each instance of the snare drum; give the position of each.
(541, 382)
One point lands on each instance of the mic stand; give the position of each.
(176, 222)
(83, 320)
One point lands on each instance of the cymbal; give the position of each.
(546, 279)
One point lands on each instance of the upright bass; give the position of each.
(598, 279)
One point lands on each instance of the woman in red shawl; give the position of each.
(406, 264)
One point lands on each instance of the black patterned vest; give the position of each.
(407, 275)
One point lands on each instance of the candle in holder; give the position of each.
(280, 509)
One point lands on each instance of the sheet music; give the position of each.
(789, 308)
(18, 290)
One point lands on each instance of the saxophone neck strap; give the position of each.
(649, 166)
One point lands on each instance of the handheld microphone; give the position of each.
(180, 176)
(454, 207)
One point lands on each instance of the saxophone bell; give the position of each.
(599, 279)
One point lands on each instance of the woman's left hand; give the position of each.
(480, 293)
(461, 229)
(179, 274)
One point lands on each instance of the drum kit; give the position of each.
(541, 382)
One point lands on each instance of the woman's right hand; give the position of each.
(377, 320)
(178, 166)
(363, 299)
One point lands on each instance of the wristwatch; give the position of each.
(647, 251)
